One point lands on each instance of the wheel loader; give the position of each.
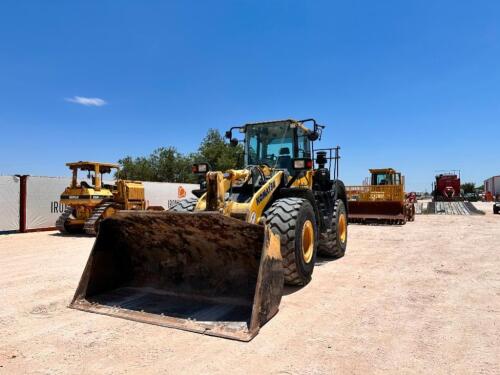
(382, 199)
(217, 264)
(87, 204)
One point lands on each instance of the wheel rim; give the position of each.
(307, 241)
(342, 228)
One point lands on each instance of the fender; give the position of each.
(340, 193)
(300, 193)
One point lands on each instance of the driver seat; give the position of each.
(284, 160)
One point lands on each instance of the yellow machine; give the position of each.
(381, 199)
(217, 264)
(88, 203)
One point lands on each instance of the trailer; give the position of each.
(492, 188)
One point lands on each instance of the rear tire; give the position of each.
(294, 220)
(495, 210)
(411, 214)
(333, 242)
(185, 205)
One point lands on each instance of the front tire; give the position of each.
(333, 242)
(294, 220)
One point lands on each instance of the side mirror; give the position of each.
(313, 136)
(233, 142)
(229, 134)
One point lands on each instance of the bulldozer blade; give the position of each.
(376, 210)
(201, 272)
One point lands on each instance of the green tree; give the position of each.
(468, 187)
(136, 169)
(219, 154)
(166, 164)
(170, 165)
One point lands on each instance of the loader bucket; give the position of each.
(201, 272)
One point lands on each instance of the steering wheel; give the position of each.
(261, 175)
(268, 160)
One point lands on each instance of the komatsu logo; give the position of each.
(181, 192)
(266, 192)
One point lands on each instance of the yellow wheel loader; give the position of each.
(90, 201)
(217, 264)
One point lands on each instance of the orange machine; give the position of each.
(381, 199)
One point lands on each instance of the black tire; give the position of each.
(68, 229)
(331, 244)
(287, 217)
(495, 210)
(411, 216)
(185, 205)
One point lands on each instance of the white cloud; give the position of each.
(96, 102)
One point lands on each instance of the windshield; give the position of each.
(273, 144)
(85, 176)
(386, 179)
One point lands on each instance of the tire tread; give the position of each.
(185, 205)
(282, 219)
(328, 245)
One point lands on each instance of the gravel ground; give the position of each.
(419, 298)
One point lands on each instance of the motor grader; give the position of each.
(217, 264)
(90, 201)
(382, 199)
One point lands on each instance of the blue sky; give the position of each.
(410, 84)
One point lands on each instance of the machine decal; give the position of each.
(84, 196)
(181, 192)
(266, 192)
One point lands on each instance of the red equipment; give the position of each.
(447, 187)
(411, 197)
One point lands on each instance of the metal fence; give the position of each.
(29, 203)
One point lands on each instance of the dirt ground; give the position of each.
(419, 298)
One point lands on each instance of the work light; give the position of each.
(302, 164)
(200, 168)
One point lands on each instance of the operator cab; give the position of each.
(387, 176)
(284, 145)
(95, 172)
(276, 144)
